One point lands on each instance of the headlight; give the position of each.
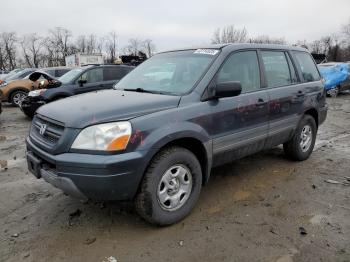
(3, 84)
(104, 137)
(36, 92)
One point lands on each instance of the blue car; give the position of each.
(336, 76)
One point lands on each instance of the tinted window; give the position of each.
(307, 66)
(292, 70)
(50, 72)
(242, 67)
(276, 68)
(93, 75)
(115, 72)
(61, 72)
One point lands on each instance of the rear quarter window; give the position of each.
(307, 66)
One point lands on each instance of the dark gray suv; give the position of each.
(155, 138)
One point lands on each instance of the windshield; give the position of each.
(70, 76)
(169, 73)
(19, 75)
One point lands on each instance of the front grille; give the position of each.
(50, 137)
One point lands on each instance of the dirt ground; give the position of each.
(261, 208)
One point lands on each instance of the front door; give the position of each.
(94, 81)
(240, 124)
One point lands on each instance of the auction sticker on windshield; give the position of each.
(206, 51)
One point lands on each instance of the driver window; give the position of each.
(242, 67)
(93, 75)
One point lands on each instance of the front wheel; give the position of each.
(303, 141)
(17, 97)
(170, 187)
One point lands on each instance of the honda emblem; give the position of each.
(42, 129)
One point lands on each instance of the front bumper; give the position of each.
(85, 176)
(29, 106)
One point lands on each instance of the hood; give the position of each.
(106, 106)
(52, 81)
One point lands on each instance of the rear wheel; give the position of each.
(170, 188)
(17, 97)
(302, 143)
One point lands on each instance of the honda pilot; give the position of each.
(155, 138)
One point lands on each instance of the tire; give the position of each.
(29, 114)
(297, 149)
(17, 96)
(149, 202)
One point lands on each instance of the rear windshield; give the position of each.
(169, 73)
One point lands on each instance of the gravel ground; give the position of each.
(260, 208)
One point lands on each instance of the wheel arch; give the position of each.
(314, 113)
(201, 149)
(13, 90)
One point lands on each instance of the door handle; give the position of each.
(300, 93)
(261, 101)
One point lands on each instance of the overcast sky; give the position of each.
(177, 23)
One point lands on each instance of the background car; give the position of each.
(16, 90)
(3, 73)
(10, 74)
(337, 77)
(77, 81)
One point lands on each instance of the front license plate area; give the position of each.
(34, 165)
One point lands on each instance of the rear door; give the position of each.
(285, 95)
(93, 78)
(240, 124)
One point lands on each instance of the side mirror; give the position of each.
(81, 82)
(228, 89)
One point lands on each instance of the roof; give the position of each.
(235, 46)
(55, 68)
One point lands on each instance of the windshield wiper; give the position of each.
(141, 90)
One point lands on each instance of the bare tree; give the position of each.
(149, 47)
(2, 56)
(91, 44)
(58, 45)
(100, 43)
(346, 30)
(134, 46)
(229, 34)
(111, 46)
(265, 39)
(326, 43)
(32, 46)
(81, 43)
(9, 41)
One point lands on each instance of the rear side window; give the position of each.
(292, 70)
(242, 67)
(114, 73)
(276, 68)
(307, 66)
